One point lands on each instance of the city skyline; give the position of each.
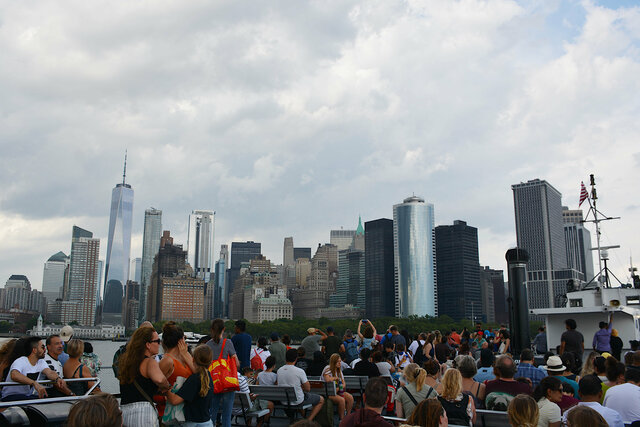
(291, 129)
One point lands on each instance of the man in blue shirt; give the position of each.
(527, 370)
(242, 343)
(602, 338)
(540, 341)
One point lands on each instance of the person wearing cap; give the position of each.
(332, 344)
(278, 350)
(65, 334)
(590, 395)
(556, 368)
(312, 341)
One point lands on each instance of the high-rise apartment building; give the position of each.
(53, 276)
(118, 251)
(200, 243)
(150, 246)
(240, 252)
(414, 258)
(487, 296)
(350, 285)
(131, 304)
(287, 255)
(320, 284)
(458, 271)
(83, 276)
(220, 297)
(540, 231)
(301, 253)
(578, 243)
(379, 282)
(342, 239)
(135, 270)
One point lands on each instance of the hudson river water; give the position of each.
(105, 350)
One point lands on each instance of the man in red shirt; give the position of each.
(455, 336)
(504, 387)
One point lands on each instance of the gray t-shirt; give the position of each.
(311, 344)
(407, 404)
(229, 350)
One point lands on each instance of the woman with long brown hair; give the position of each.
(333, 372)
(428, 413)
(222, 348)
(428, 347)
(197, 391)
(140, 378)
(176, 361)
(523, 411)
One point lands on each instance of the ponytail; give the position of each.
(420, 376)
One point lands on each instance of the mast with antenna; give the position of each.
(124, 172)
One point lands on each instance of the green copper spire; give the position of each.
(360, 229)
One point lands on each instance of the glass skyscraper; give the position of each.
(414, 258)
(118, 252)
(150, 247)
(200, 243)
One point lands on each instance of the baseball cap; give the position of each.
(66, 332)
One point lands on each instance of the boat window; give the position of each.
(635, 300)
(575, 302)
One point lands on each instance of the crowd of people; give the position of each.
(431, 378)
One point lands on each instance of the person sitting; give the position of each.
(54, 350)
(556, 368)
(403, 357)
(302, 362)
(75, 369)
(375, 398)
(625, 398)
(293, 376)
(467, 367)
(429, 413)
(568, 401)
(459, 406)
(615, 372)
(432, 367)
(268, 377)
(90, 359)
(333, 373)
(26, 369)
(100, 410)
(585, 416)
(548, 394)
(384, 367)
(485, 372)
(317, 364)
(365, 367)
(414, 392)
(258, 355)
(591, 394)
(523, 411)
(502, 390)
(528, 370)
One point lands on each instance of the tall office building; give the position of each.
(414, 258)
(321, 283)
(458, 271)
(350, 285)
(220, 301)
(118, 250)
(539, 230)
(99, 287)
(342, 239)
(578, 243)
(287, 255)
(301, 253)
(53, 276)
(240, 252)
(379, 283)
(83, 276)
(488, 304)
(135, 270)
(150, 246)
(200, 243)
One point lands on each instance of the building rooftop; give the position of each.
(58, 257)
(413, 199)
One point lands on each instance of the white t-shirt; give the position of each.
(260, 352)
(549, 412)
(610, 416)
(414, 346)
(267, 378)
(384, 368)
(25, 367)
(293, 376)
(624, 399)
(54, 365)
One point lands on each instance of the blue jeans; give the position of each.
(222, 402)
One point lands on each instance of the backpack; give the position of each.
(256, 361)
(351, 350)
(498, 401)
(456, 411)
(419, 357)
(325, 416)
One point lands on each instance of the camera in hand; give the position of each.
(364, 321)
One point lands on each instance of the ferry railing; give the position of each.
(49, 399)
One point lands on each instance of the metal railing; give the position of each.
(49, 399)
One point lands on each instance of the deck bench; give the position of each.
(282, 398)
(243, 402)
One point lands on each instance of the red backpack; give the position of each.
(256, 361)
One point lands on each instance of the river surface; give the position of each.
(105, 351)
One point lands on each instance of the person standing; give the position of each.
(222, 348)
(602, 338)
(177, 361)
(540, 341)
(241, 344)
(332, 343)
(572, 341)
(616, 345)
(278, 350)
(311, 342)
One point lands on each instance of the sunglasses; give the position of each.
(158, 341)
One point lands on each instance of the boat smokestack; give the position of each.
(518, 300)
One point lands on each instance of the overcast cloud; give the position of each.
(292, 118)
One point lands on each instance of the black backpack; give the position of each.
(419, 357)
(456, 411)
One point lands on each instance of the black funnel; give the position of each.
(518, 300)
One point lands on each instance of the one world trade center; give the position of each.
(118, 251)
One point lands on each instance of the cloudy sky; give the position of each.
(293, 118)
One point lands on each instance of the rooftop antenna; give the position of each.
(124, 172)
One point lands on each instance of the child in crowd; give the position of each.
(268, 377)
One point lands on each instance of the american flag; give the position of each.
(584, 194)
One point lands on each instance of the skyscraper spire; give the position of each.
(124, 172)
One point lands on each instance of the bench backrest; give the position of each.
(242, 400)
(274, 392)
(323, 388)
(355, 382)
(487, 418)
